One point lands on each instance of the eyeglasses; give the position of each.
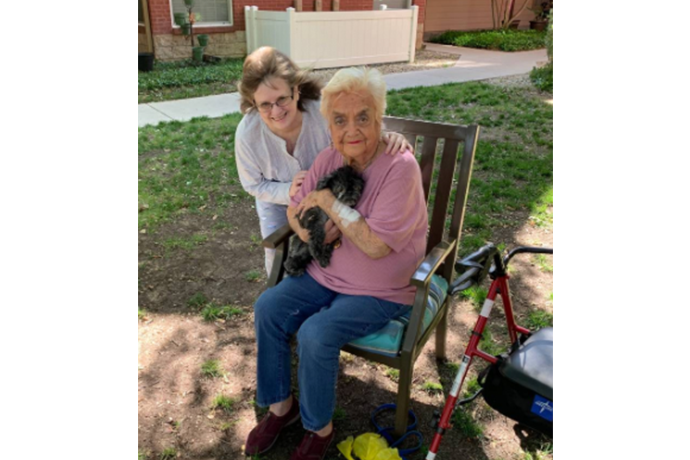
(283, 101)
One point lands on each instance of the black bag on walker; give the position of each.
(520, 384)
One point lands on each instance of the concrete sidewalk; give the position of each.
(472, 64)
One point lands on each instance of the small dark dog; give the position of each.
(346, 185)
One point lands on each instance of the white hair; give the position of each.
(356, 80)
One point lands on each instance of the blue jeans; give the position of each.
(324, 321)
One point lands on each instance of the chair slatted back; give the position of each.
(431, 136)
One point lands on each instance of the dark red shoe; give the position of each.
(265, 434)
(313, 447)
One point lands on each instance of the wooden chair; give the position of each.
(441, 249)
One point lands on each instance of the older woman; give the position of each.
(280, 135)
(368, 280)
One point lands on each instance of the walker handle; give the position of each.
(528, 249)
(473, 268)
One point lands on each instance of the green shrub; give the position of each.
(549, 37)
(542, 77)
(503, 40)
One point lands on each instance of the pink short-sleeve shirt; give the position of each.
(393, 206)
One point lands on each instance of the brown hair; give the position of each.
(267, 63)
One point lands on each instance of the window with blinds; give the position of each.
(208, 11)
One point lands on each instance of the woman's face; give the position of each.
(354, 130)
(277, 105)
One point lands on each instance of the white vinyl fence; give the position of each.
(316, 40)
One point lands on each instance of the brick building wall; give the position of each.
(443, 15)
(230, 41)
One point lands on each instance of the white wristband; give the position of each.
(347, 214)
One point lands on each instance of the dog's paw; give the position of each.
(292, 268)
(296, 273)
(324, 260)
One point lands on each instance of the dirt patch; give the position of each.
(217, 267)
(176, 401)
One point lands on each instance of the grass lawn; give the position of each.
(190, 167)
(501, 40)
(513, 169)
(184, 79)
(186, 166)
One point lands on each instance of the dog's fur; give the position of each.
(347, 186)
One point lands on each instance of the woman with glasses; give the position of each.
(280, 135)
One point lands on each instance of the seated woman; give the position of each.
(280, 135)
(368, 280)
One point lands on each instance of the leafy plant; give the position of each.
(488, 344)
(212, 312)
(168, 454)
(252, 275)
(544, 263)
(549, 37)
(542, 77)
(186, 23)
(197, 300)
(212, 368)
(542, 10)
(394, 374)
(466, 424)
(432, 387)
(476, 295)
(538, 319)
(227, 425)
(223, 402)
(471, 387)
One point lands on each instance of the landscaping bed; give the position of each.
(201, 269)
(500, 40)
(184, 79)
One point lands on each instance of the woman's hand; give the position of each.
(332, 232)
(396, 143)
(314, 198)
(297, 182)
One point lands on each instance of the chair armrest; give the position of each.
(421, 279)
(430, 264)
(274, 240)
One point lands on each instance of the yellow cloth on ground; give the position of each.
(367, 446)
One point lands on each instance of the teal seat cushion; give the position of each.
(388, 340)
